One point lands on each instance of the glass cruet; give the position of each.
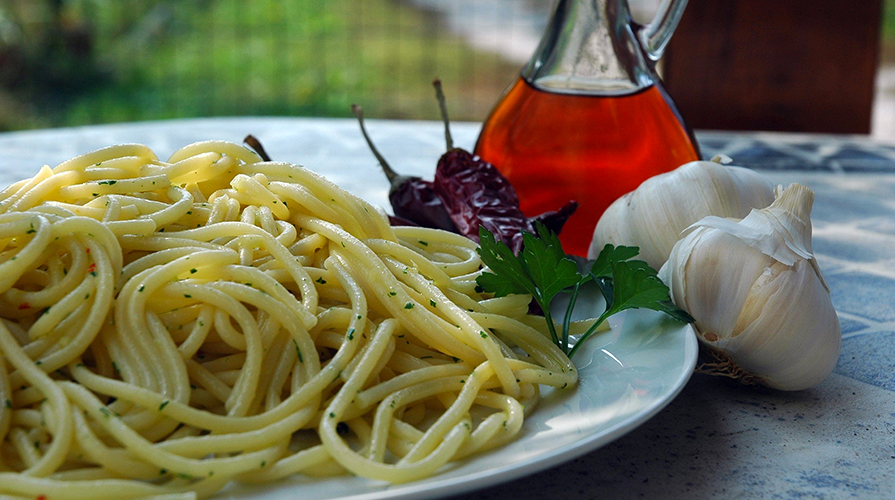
(588, 118)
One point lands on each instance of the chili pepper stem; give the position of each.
(442, 104)
(255, 144)
(389, 173)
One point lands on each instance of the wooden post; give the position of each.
(784, 65)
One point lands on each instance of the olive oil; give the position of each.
(554, 147)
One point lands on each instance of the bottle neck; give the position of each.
(589, 47)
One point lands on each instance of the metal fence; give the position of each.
(71, 62)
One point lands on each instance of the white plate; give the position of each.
(627, 375)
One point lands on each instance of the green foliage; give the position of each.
(547, 264)
(888, 31)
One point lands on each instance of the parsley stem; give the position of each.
(550, 325)
(590, 331)
(567, 321)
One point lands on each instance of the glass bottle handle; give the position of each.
(655, 35)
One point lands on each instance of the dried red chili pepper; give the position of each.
(412, 198)
(554, 220)
(467, 192)
(477, 194)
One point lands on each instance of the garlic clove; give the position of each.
(653, 216)
(789, 333)
(758, 295)
(714, 280)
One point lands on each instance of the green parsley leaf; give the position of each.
(633, 285)
(610, 253)
(548, 266)
(508, 275)
(543, 270)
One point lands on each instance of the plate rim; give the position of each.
(435, 488)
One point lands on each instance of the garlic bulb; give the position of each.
(653, 216)
(757, 293)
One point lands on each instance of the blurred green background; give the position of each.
(73, 62)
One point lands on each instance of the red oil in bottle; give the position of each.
(593, 149)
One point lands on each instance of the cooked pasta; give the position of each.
(169, 327)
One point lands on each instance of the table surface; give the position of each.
(718, 439)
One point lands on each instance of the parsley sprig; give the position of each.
(543, 270)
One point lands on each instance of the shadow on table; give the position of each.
(716, 433)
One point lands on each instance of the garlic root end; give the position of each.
(721, 365)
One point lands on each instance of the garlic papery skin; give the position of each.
(757, 293)
(653, 216)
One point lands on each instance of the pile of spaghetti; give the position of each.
(169, 327)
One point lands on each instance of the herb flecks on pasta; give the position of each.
(167, 327)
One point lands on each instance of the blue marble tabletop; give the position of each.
(717, 439)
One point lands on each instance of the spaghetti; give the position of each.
(169, 327)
